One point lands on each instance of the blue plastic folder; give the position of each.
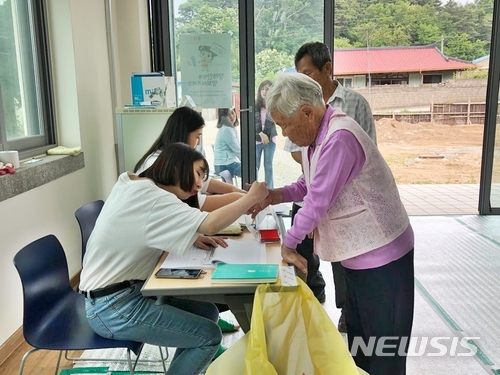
(245, 273)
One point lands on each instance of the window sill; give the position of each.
(30, 176)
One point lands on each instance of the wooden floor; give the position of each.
(42, 362)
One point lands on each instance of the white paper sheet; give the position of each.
(237, 252)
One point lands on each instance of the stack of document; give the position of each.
(245, 273)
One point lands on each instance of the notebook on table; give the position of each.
(245, 273)
(238, 251)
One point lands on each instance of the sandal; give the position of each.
(226, 326)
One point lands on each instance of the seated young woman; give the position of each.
(227, 147)
(186, 125)
(144, 216)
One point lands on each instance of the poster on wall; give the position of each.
(206, 69)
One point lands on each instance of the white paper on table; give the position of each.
(237, 252)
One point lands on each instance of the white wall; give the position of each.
(85, 116)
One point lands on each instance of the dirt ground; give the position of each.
(422, 153)
(426, 153)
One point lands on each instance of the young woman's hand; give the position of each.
(274, 196)
(258, 191)
(264, 138)
(207, 242)
(256, 208)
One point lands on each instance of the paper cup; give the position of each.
(10, 157)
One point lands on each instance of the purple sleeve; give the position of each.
(341, 160)
(296, 191)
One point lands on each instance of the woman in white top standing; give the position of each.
(144, 216)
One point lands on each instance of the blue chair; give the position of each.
(54, 314)
(86, 217)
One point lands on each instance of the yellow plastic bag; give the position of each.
(290, 333)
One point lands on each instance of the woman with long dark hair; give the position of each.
(186, 125)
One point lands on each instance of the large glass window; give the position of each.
(386, 51)
(25, 95)
(495, 175)
(281, 28)
(207, 68)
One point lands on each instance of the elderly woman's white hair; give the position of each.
(291, 91)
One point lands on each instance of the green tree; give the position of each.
(269, 62)
(284, 25)
(342, 43)
(346, 17)
(211, 20)
(461, 45)
(9, 83)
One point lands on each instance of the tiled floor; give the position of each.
(445, 199)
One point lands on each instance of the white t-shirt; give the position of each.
(152, 158)
(137, 223)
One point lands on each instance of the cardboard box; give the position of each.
(153, 89)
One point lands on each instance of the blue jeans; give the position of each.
(268, 161)
(233, 168)
(189, 326)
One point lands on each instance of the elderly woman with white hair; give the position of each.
(353, 209)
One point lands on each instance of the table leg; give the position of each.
(241, 307)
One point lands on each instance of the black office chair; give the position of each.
(86, 217)
(54, 314)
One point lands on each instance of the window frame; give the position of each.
(43, 92)
(426, 76)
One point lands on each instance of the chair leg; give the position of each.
(128, 359)
(163, 359)
(25, 357)
(58, 362)
(131, 368)
(84, 359)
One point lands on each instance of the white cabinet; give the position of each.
(136, 130)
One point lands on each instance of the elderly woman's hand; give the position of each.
(291, 256)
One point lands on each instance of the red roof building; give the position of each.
(359, 67)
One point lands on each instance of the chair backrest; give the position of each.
(54, 314)
(226, 176)
(86, 217)
(43, 269)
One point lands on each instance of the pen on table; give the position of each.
(211, 250)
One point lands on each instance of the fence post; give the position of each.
(468, 113)
(432, 110)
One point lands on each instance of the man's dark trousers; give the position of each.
(315, 280)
